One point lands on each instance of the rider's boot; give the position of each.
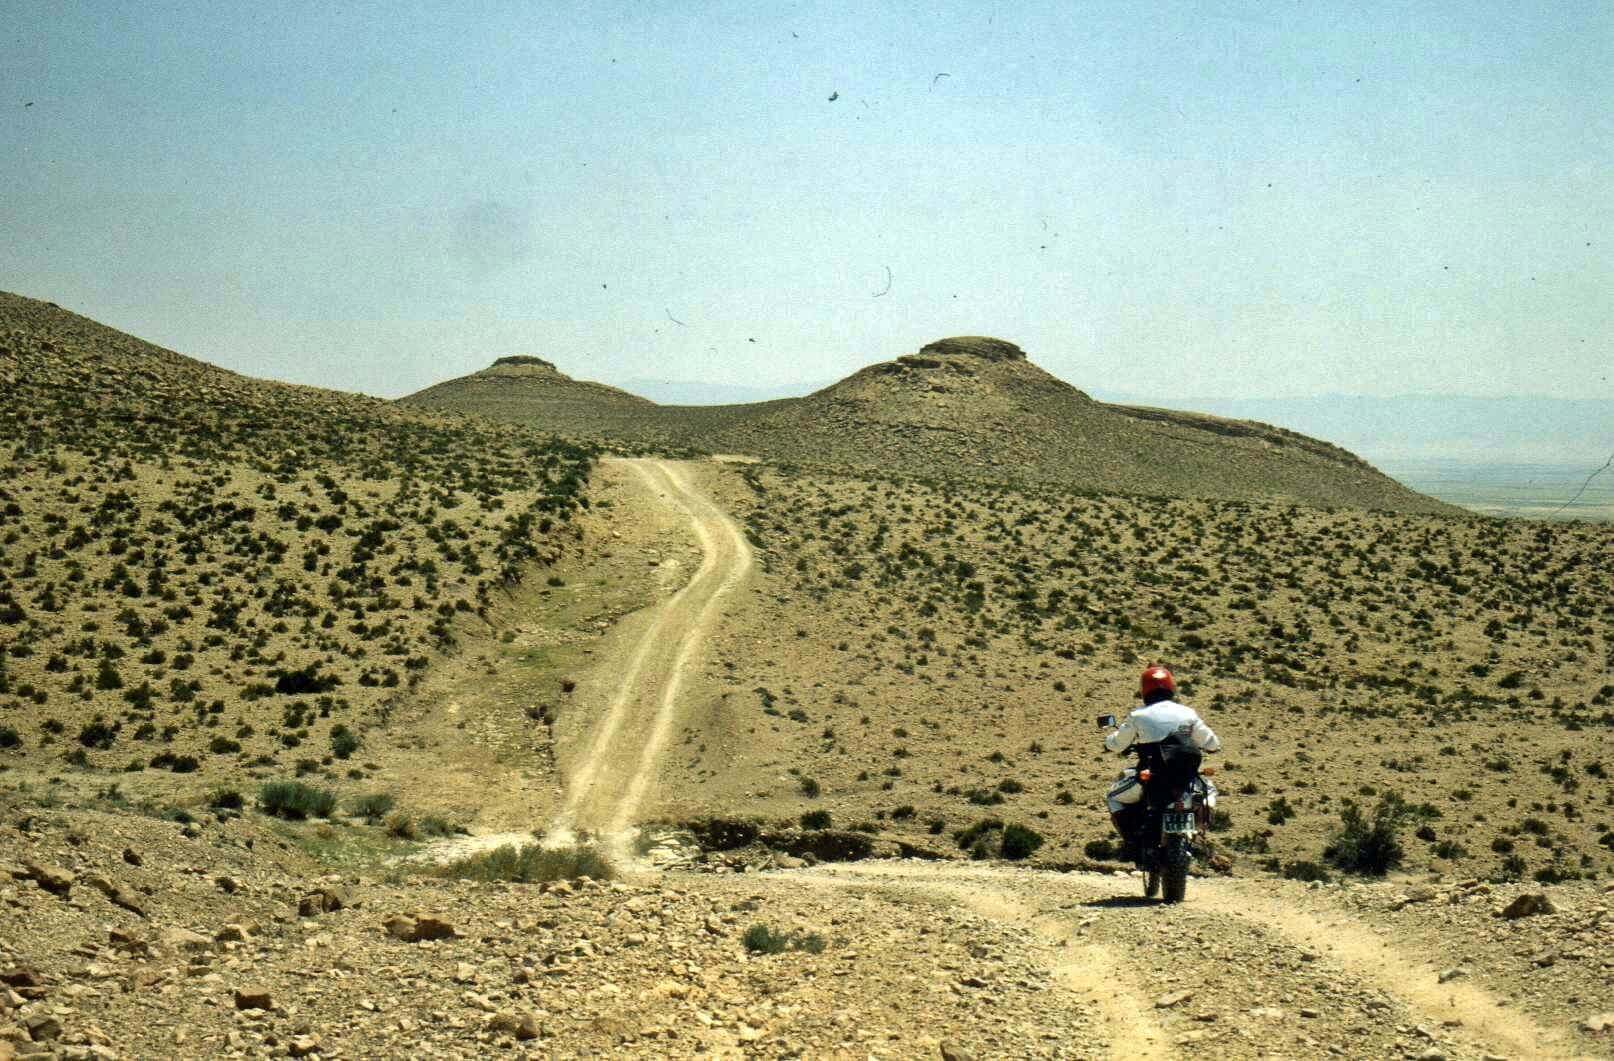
(1129, 845)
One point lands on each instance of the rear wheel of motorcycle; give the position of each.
(1151, 883)
(1174, 872)
(1175, 882)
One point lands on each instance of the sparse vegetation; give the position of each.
(295, 801)
(374, 807)
(816, 819)
(531, 863)
(761, 939)
(226, 799)
(210, 551)
(1368, 845)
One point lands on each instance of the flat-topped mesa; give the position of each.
(521, 381)
(982, 346)
(523, 365)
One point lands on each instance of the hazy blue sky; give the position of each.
(1256, 199)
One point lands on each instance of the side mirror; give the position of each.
(1106, 721)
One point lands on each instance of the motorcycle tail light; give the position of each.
(1144, 775)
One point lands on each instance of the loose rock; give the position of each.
(520, 1023)
(253, 997)
(1527, 905)
(53, 879)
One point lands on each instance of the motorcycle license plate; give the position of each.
(1179, 822)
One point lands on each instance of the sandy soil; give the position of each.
(1355, 968)
(607, 783)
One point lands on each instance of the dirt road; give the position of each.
(608, 784)
(1245, 968)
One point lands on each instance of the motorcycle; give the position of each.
(1175, 808)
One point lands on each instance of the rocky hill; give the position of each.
(205, 575)
(968, 407)
(526, 387)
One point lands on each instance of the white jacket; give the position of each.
(1160, 720)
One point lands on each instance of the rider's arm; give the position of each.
(1205, 738)
(1122, 738)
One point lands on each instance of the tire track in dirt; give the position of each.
(1355, 945)
(1092, 973)
(613, 777)
(1099, 975)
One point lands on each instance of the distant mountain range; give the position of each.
(683, 392)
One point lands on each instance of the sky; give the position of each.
(1239, 199)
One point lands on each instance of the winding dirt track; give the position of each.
(1091, 927)
(1101, 971)
(610, 781)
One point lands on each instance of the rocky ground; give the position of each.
(128, 936)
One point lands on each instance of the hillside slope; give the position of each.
(514, 386)
(974, 408)
(204, 573)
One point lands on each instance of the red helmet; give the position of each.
(1156, 679)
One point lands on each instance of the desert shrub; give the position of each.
(1450, 849)
(97, 734)
(9, 738)
(1020, 842)
(343, 741)
(373, 807)
(107, 676)
(223, 746)
(816, 819)
(761, 939)
(530, 863)
(969, 835)
(810, 787)
(408, 827)
(1102, 849)
(1279, 811)
(431, 825)
(179, 764)
(1370, 846)
(1251, 843)
(295, 801)
(305, 682)
(1306, 871)
(225, 799)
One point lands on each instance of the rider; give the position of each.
(1159, 718)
